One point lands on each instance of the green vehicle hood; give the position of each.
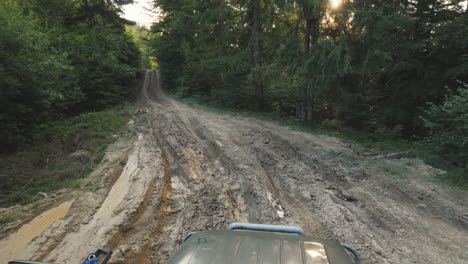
(245, 247)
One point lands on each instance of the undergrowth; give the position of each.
(60, 153)
(6, 219)
(453, 178)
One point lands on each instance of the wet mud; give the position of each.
(191, 170)
(16, 245)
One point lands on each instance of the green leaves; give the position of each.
(372, 65)
(59, 58)
(446, 145)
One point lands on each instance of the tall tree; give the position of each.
(68, 57)
(313, 15)
(255, 46)
(367, 64)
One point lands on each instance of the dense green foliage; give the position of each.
(365, 64)
(140, 36)
(60, 58)
(447, 142)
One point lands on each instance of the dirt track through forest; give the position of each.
(190, 170)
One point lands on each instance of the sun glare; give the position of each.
(335, 3)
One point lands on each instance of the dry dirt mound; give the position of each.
(191, 170)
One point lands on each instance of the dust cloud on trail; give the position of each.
(191, 170)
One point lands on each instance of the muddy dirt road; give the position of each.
(188, 170)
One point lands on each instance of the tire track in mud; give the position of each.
(156, 210)
(264, 177)
(197, 196)
(170, 212)
(163, 208)
(270, 180)
(126, 229)
(297, 210)
(323, 207)
(132, 243)
(334, 186)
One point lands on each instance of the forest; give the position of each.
(66, 70)
(395, 69)
(60, 58)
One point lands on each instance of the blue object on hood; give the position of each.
(92, 261)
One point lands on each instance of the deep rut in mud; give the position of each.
(191, 170)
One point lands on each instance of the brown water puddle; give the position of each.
(15, 245)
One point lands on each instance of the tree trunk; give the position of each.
(255, 47)
(306, 112)
(308, 32)
(310, 41)
(312, 79)
(315, 30)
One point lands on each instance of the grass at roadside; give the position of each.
(453, 178)
(60, 153)
(7, 219)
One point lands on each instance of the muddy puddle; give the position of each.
(120, 203)
(15, 245)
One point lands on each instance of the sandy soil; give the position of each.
(187, 170)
